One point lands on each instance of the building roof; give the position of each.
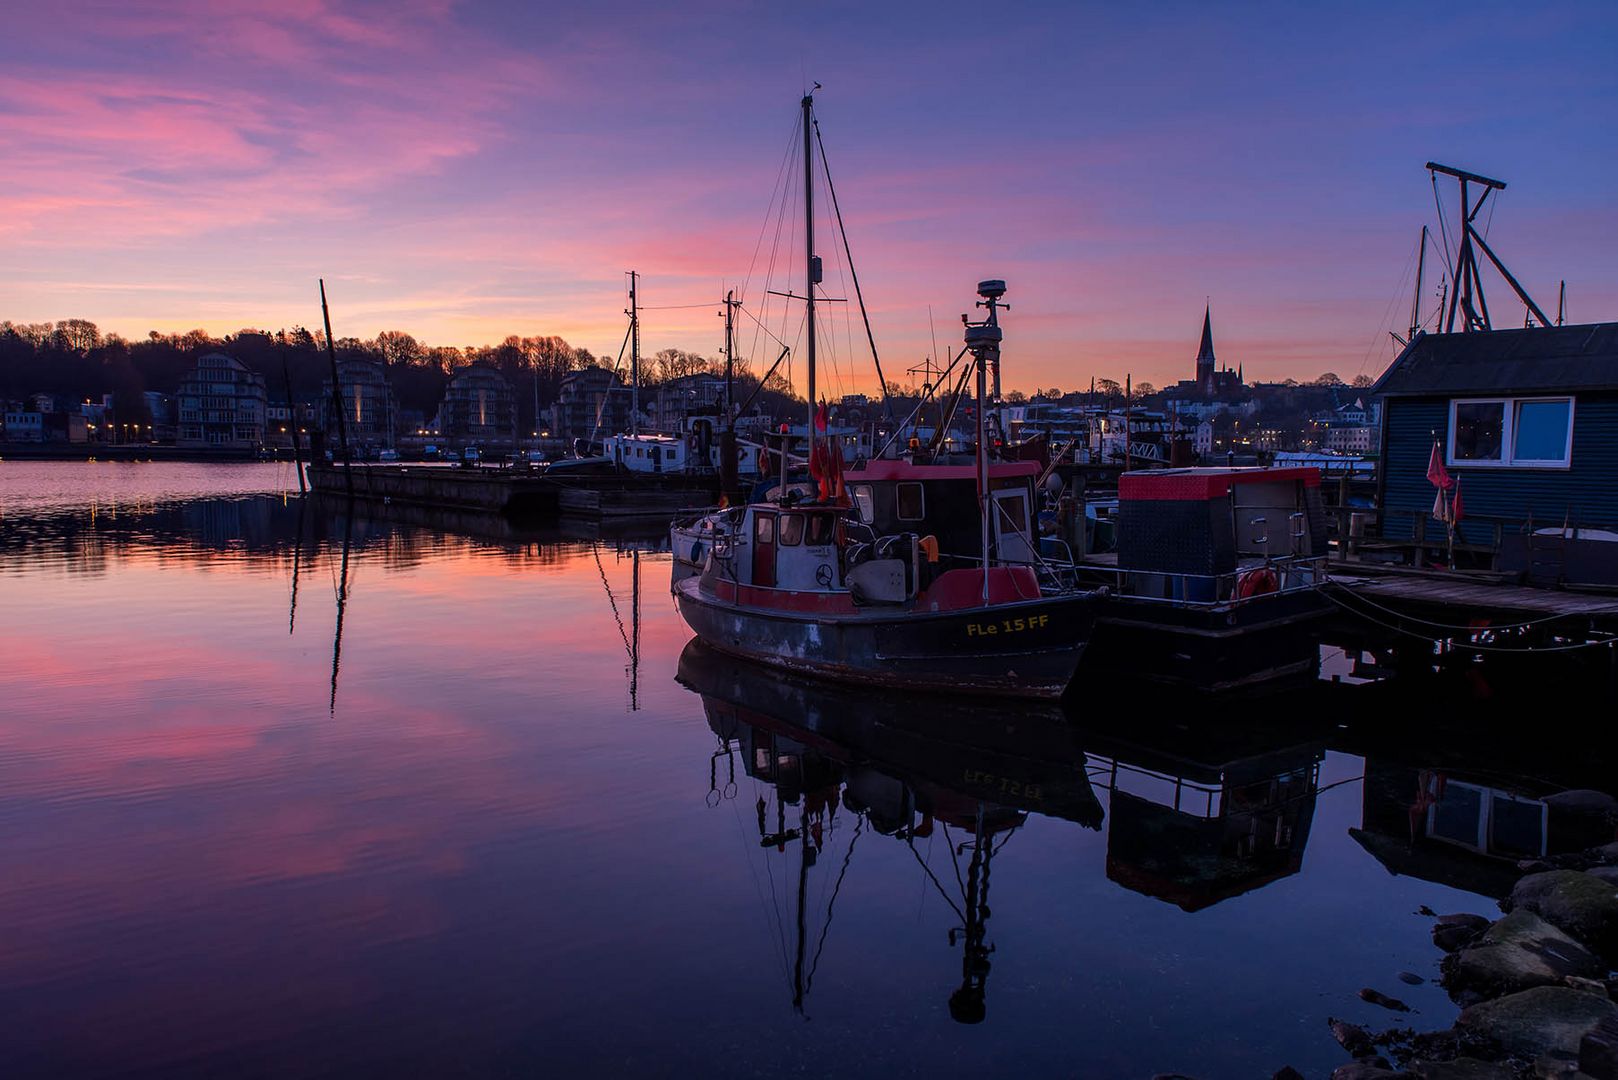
(1539, 358)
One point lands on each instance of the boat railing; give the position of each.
(1246, 584)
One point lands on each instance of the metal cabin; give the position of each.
(1527, 421)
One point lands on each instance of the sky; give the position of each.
(467, 171)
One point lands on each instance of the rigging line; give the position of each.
(1443, 227)
(830, 905)
(916, 412)
(955, 858)
(939, 885)
(1462, 629)
(595, 549)
(764, 225)
(671, 307)
(601, 408)
(758, 886)
(1387, 315)
(825, 167)
(1470, 646)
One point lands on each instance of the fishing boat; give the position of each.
(869, 582)
(860, 583)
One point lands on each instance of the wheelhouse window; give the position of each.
(864, 503)
(1512, 432)
(911, 502)
(791, 530)
(821, 527)
(764, 528)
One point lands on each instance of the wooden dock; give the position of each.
(1463, 595)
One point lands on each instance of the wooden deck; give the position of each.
(1463, 594)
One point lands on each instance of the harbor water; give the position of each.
(292, 788)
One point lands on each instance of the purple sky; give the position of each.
(468, 171)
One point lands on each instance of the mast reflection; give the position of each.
(1196, 816)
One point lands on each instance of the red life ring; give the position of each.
(1256, 582)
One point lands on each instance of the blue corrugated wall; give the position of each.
(1588, 491)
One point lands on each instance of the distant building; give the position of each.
(368, 405)
(1350, 440)
(25, 425)
(478, 406)
(678, 398)
(593, 402)
(221, 405)
(1212, 389)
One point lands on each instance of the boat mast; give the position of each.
(1415, 304)
(337, 395)
(983, 339)
(730, 349)
(634, 358)
(811, 261)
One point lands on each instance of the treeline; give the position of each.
(74, 359)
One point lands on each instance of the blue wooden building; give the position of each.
(1526, 419)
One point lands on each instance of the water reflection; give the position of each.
(512, 843)
(1191, 819)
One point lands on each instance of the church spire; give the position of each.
(1205, 353)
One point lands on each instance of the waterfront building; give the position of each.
(221, 405)
(1349, 439)
(24, 425)
(593, 402)
(368, 405)
(478, 407)
(1526, 420)
(702, 392)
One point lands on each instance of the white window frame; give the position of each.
(1508, 434)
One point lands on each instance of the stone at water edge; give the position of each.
(1287, 1072)
(1451, 932)
(1377, 997)
(1598, 1051)
(1351, 1037)
(1368, 1070)
(1519, 952)
(1579, 904)
(1463, 1068)
(1546, 1019)
(1410, 978)
(1605, 873)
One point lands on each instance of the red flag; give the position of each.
(1440, 508)
(821, 417)
(1437, 475)
(1455, 504)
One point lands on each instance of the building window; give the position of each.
(1535, 433)
(911, 503)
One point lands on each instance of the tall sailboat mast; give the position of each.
(634, 358)
(811, 261)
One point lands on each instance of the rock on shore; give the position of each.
(1544, 1020)
(1519, 952)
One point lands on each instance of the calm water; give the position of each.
(472, 835)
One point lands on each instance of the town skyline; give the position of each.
(469, 171)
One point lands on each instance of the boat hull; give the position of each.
(1029, 648)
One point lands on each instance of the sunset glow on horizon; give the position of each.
(468, 171)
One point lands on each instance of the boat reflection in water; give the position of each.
(1190, 826)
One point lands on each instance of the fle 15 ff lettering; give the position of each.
(1007, 626)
